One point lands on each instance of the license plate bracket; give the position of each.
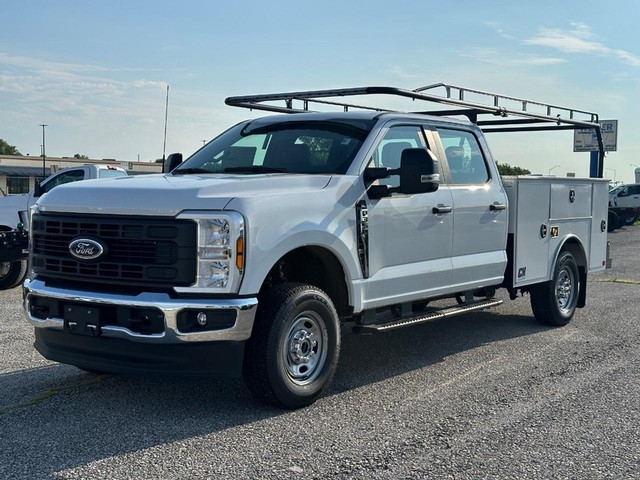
(82, 320)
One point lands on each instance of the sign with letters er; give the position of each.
(585, 140)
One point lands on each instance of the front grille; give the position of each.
(138, 251)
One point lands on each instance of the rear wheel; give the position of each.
(631, 220)
(554, 302)
(12, 273)
(293, 351)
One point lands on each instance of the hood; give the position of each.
(168, 195)
(17, 202)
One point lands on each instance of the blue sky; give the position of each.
(96, 72)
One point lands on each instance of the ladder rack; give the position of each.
(492, 112)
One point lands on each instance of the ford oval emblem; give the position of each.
(85, 249)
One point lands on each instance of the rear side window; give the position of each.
(464, 156)
(66, 177)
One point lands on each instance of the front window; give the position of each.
(297, 146)
(389, 151)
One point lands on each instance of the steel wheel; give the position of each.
(304, 348)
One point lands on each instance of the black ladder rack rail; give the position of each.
(550, 117)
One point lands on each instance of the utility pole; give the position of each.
(43, 153)
(166, 118)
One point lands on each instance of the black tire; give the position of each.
(554, 303)
(12, 273)
(612, 223)
(293, 351)
(631, 220)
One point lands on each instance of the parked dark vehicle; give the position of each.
(621, 216)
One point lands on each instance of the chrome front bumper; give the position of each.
(245, 309)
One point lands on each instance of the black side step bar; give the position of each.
(426, 317)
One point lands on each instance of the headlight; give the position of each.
(220, 252)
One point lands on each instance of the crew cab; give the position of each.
(260, 250)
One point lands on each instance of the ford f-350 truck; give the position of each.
(259, 251)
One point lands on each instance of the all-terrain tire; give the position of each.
(554, 302)
(12, 273)
(293, 351)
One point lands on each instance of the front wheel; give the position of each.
(554, 303)
(293, 351)
(12, 273)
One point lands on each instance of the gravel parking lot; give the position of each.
(489, 395)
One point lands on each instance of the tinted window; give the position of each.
(67, 177)
(292, 146)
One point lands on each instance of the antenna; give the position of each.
(166, 116)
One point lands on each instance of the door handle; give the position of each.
(497, 206)
(442, 209)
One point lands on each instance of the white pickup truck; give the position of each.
(254, 255)
(14, 218)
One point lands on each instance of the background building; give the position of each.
(18, 174)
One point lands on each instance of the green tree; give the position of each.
(506, 169)
(82, 157)
(6, 149)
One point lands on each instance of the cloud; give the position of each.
(397, 71)
(579, 39)
(89, 103)
(499, 30)
(494, 57)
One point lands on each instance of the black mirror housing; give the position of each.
(37, 191)
(419, 172)
(171, 162)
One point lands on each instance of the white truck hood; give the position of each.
(168, 195)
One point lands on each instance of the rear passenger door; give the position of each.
(478, 249)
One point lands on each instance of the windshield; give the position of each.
(282, 147)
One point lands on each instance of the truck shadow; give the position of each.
(66, 418)
(373, 358)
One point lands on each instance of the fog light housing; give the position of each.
(190, 320)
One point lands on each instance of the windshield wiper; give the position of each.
(184, 171)
(254, 169)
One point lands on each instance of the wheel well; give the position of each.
(315, 266)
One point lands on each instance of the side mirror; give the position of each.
(418, 171)
(171, 162)
(621, 193)
(38, 190)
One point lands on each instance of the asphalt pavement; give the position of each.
(492, 394)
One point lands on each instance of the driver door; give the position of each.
(410, 236)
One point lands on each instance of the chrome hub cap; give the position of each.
(565, 291)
